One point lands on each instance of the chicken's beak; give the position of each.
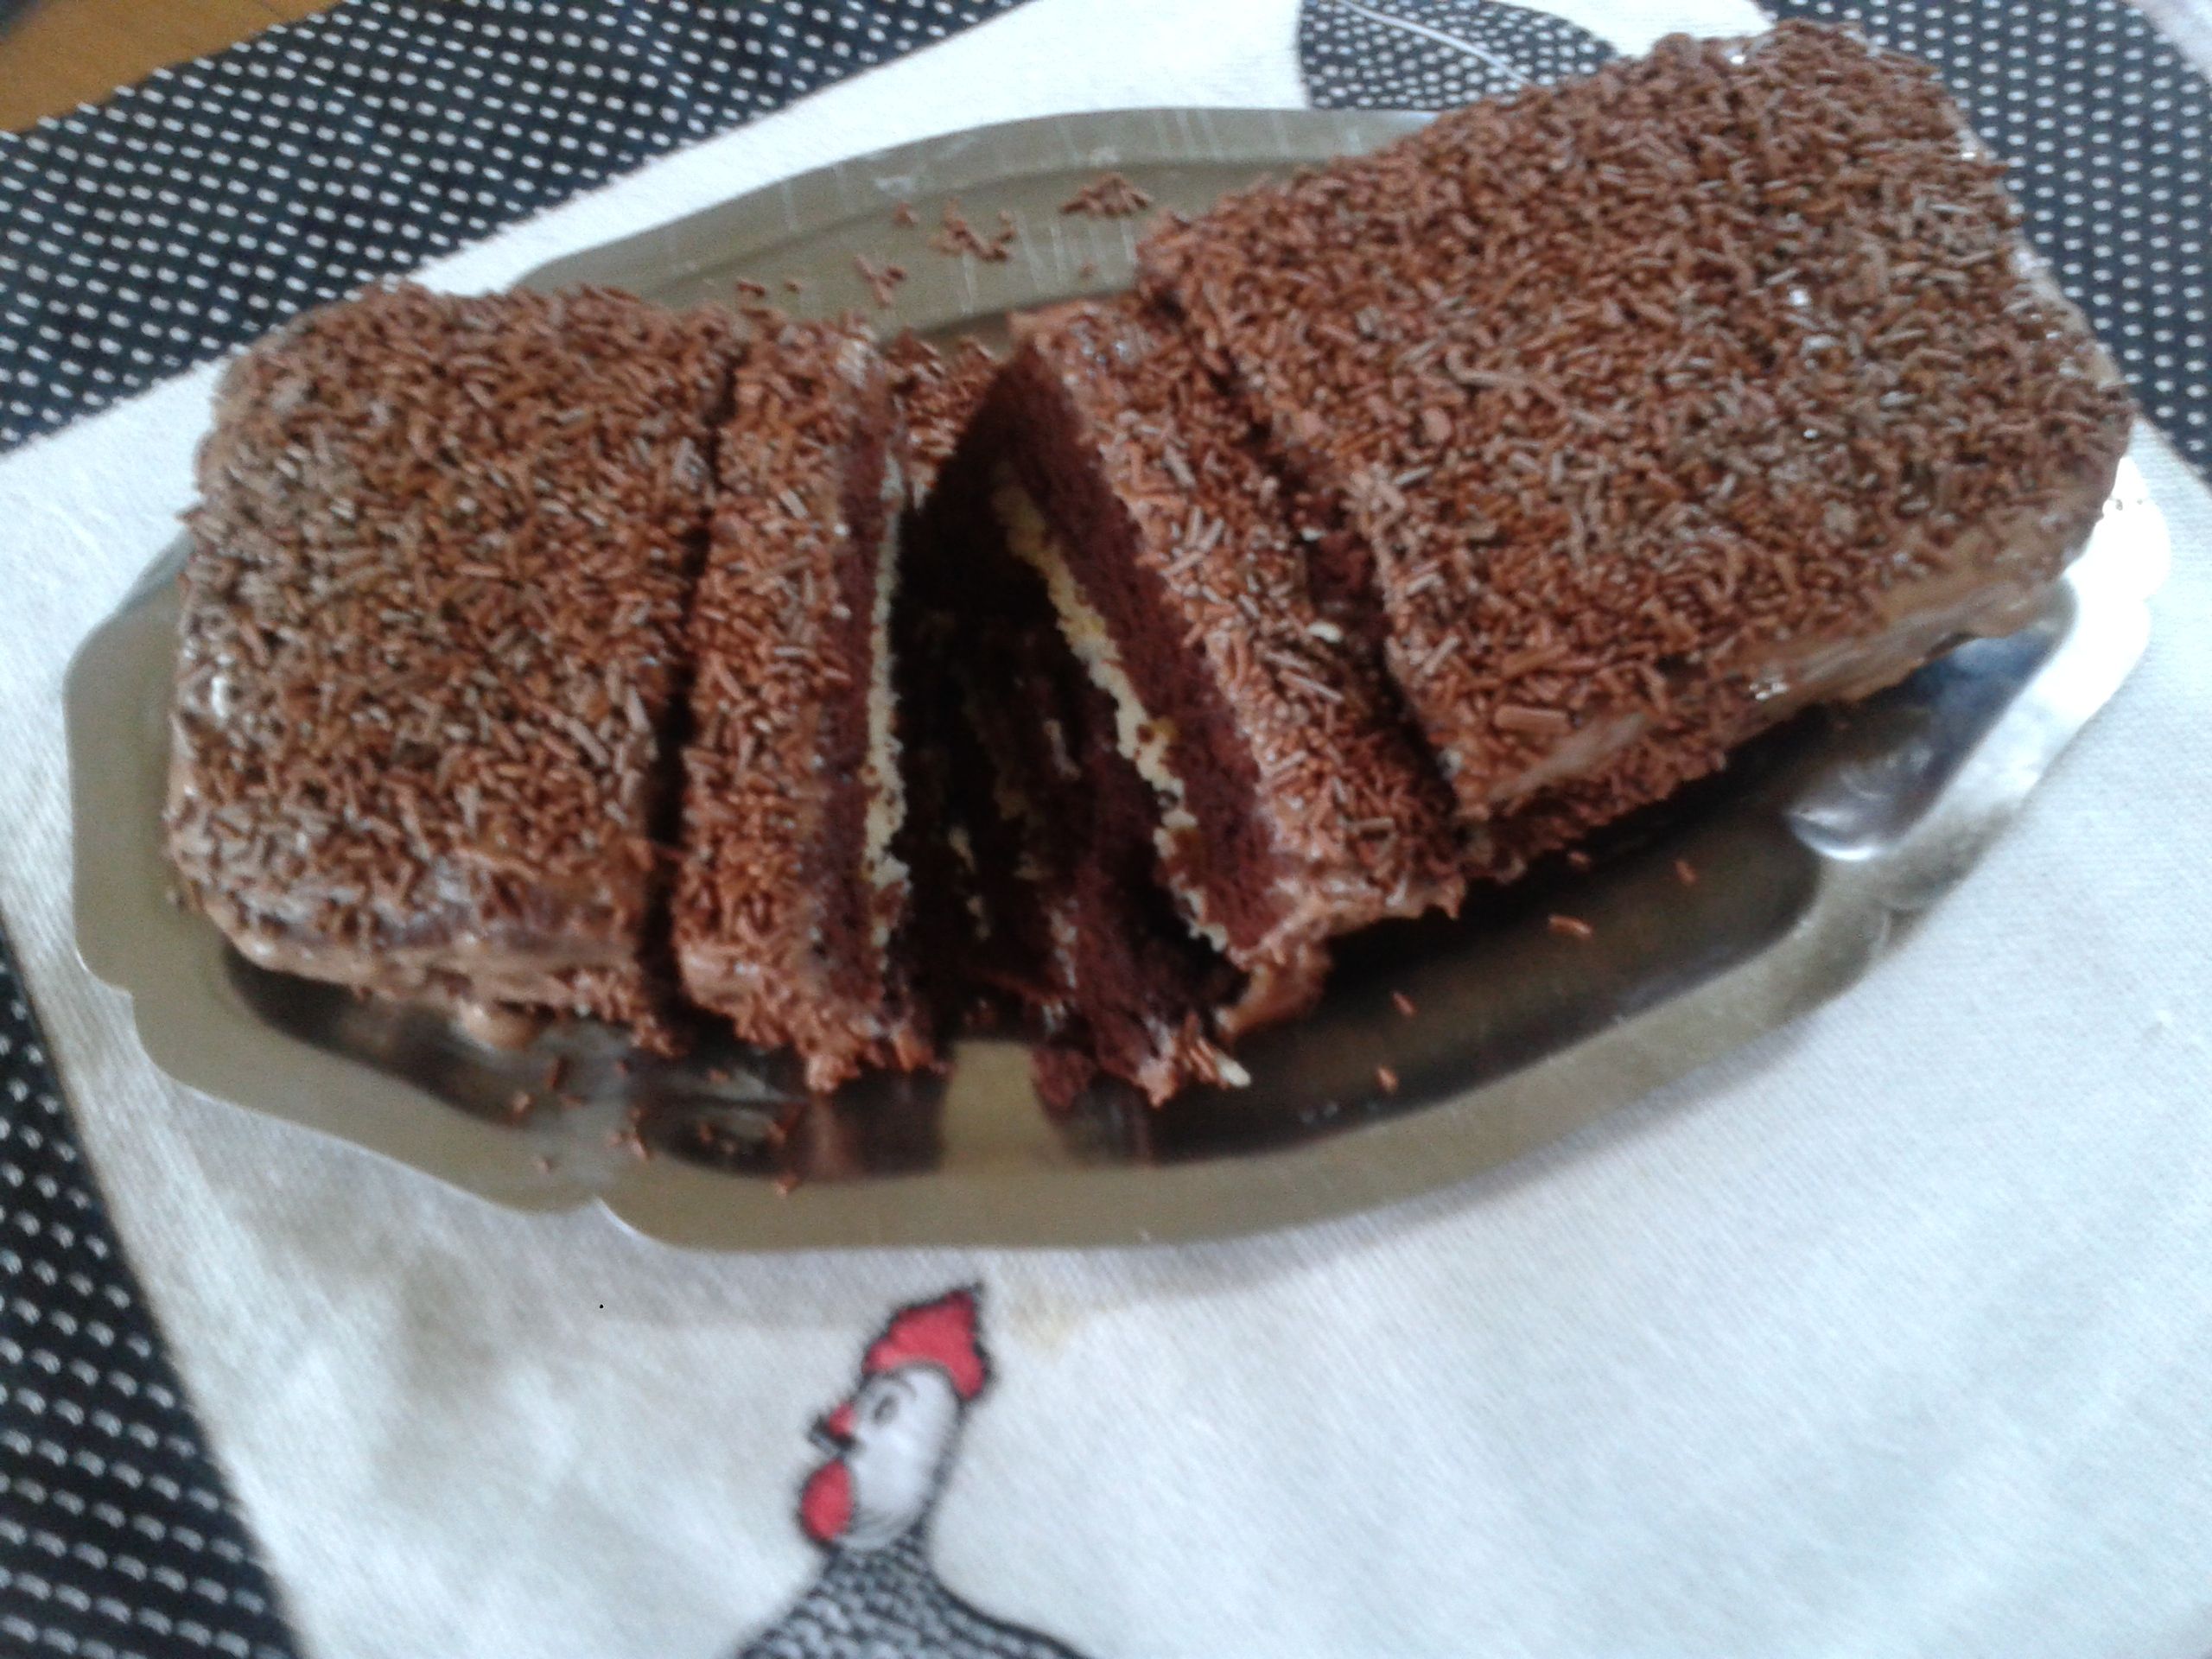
(834, 1434)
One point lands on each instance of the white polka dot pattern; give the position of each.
(204, 205)
(2109, 128)
(1430, 55)
(116, 1536)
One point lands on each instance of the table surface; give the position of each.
(57, 54)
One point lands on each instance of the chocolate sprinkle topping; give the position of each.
(432, 622)
(1644, 391)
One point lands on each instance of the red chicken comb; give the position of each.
(940, 1333)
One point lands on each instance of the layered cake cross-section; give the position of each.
(1292, 806)
(1062, 929)
(790, 906)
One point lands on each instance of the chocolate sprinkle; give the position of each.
(1108, 196)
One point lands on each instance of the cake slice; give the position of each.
(790, 902)
(1061, 928)
(432, 630)
(1650, 408)
(1290, 806)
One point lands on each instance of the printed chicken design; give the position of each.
(868, 1507)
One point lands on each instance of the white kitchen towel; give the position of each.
(1891, 1334)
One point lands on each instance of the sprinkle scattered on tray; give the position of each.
(1108, 196)
(957, 235)
(883, 280)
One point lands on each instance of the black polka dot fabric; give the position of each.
(1430, 55)
(116, 1539)
(2108, 127)
(202, 208)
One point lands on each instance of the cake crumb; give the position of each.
(1686, 872)
(1403, 1004)
(1108, 196)
(1388, 1078)
(1573, 927)
(883, 280)
(903, 216)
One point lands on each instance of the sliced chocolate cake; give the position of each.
(431, 638)
(1291, 805)
(790, 902)
(1066, 933)
(1657, 405)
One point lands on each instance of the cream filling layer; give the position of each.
(885, 780)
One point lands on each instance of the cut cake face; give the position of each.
(790, 905)
(1065, 931)
(1292, 806)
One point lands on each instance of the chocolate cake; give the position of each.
(1291, 806)
(431, 636)
(1653, 406)
(1418, 516)
(789, 905)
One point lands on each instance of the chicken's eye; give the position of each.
(885, 1409)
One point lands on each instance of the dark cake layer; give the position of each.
(1070, 933)
(1292, 806)
(431, 636)
(788, 904)
(1660, 404)
(936, 394)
